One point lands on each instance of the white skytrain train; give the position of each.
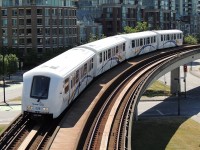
(50, 87)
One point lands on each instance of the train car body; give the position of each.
(140, 43)
(169, 38)
(49, 88)
(109, 52)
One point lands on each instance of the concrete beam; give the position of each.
(175, 81)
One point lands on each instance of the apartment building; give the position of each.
(187, 16)
(38, 24)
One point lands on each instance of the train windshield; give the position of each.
(40, 87)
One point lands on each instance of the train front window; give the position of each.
(40, 87)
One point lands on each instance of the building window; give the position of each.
(39, 31)
(5, 32)
(14, 12)
(29, 41)
(21, 31)
(28, 31)
(54, 41)
(4, 22)
(54, 31)
(14, 22)
(53, 12)
(47, 12)
(47, 21)
(39, 41)
(28, 12)
(47, 31)
(4, 12)
(5, 41)
(21, 41)
(14, 31)
(39, 21)
(47, 41)
(54, 21)
(14, 41)
(21, 12)
(21, 21)
(39, 11)
(28, 21)
(60, 31)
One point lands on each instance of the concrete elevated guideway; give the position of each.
(174, 66)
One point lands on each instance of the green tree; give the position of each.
(95, 37)
(190, 40)
(141, 26)
(92, 38)
(12, 66)
(5, 65)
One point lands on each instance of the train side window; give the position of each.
(180, 36)
(109, 53)
(117, 49)
(148, 40)
(161, 37)
(141, 42)
(177, 36)
(133, 43)
(174, 36)
(167, 36)
(66, 85)
(77, 76)
(123, 46)
(154, 38)
(104, 56)
(85, 69)
(100, 58)
(92, 61)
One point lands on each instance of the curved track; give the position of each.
(111, 124)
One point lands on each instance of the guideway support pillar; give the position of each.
(175, 81)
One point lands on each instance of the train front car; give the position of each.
(49, 88)
(169, 38)
(39, 93)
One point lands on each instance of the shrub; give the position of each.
(190, 40)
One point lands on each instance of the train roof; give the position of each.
(168, 31)
(104, 44)
(64, 63)
(137, 35)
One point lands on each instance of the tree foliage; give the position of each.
(190, 40)
(10, 64)
(141, 26)
(95, 37)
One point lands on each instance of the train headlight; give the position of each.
(29, 108)
(46, 109)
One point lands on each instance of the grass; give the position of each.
(169, 133)
(157, 89)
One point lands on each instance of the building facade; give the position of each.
(41, 25)
(188, 16)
